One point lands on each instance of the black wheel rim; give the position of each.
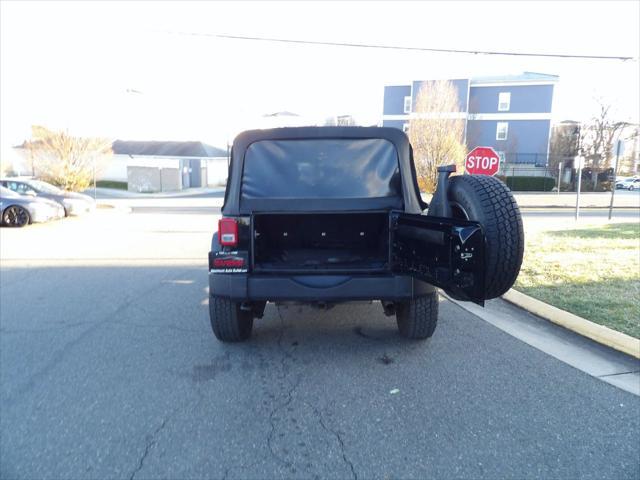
(16, 216)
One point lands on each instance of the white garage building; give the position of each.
(151, 166)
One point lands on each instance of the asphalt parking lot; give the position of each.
(109, 369)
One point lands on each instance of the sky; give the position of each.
(148, 70)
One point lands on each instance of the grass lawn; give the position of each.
(591, 271)
(111, 184)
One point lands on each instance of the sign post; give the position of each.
(578, 164)
(559, 177)
(619, 147)
(95, 188)
(482, 161)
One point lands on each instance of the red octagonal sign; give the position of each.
(482, 161)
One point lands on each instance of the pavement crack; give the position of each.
(289, 395)
(285, 354)
(150, 443)
(152, 439)
(338, 437)
(272, 431)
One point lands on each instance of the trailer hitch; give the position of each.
(439, 206)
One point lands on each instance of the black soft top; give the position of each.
(408, 200)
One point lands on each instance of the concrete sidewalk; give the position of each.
(214, 197)
(622, 199)
(112, 193)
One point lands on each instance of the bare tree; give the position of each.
(628, 161)
(436, 132)
(5, 167)
(564, 139)
(511, 149)
(597, 137)
(563, 147)
(67, 161)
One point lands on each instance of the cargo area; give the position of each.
(321, 242)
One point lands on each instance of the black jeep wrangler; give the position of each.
(332, 214)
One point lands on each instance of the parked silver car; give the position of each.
(73, 203)
(632, 183)
(18, 210)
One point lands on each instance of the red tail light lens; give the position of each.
(228, 232)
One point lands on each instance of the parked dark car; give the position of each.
(19, 211)
(73, 203)
(331, 214)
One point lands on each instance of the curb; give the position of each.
(598, 333)
(582, 207)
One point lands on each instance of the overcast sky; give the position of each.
(69, 65)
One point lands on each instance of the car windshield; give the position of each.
(45, 187)
(5, 192)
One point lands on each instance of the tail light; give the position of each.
(228, 232)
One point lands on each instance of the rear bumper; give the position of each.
(247, 287)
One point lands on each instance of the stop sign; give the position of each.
(482, 161)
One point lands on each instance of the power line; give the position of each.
(398, 47)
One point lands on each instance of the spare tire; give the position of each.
(488, 201)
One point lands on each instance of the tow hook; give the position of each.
(439, 206)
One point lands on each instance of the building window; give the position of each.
(504, 101)
(502, 130)
(405, 127)
(407, 104)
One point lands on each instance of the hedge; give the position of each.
(111, 184)
(530, 184)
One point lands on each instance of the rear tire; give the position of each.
(418, 317)
(488, 201)
(228, 321)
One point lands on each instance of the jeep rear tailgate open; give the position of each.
(448, 253)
